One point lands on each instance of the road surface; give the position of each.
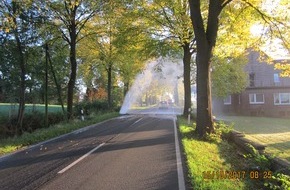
(170, 110)
(128, 152)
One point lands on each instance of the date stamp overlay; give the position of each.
(238, 175)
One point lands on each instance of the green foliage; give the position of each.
(207, 156)
(91, 107)
(260, 161)
(284, 67)
(279, 182)
(222, 131)
(32, 121)
(168, 16)
(228, 76)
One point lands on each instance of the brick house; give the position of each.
(267, 93)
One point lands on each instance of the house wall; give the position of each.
(263, 83)
(264, 72)
(268, 108)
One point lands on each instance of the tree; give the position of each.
(70, 18)
(56, 72)
(284, 66)
(102, 44)
(228, 76)
(134, 47)
(170, 22)
(20, 20)
(116, 51)
(205, 21)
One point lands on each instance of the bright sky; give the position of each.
(272, 47)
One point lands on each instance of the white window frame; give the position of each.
(279, 96)
(255, 98)
(228, 100)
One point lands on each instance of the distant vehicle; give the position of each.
(163, 105)
(170, 102)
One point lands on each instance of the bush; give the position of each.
(54, 118)
(222, 131)
(90, 107)
(36, 120)
(258, 161)
(279, 181)
(31, 121)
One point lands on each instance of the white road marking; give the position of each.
(181, 183)
(137, 121)
(80, 159)
(87, 154)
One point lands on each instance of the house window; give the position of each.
(276, 78)
(282, 98)
(256, 98)
(252, 79)
(228, 100)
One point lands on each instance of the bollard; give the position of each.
(82, 115)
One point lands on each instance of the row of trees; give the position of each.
(104, 44)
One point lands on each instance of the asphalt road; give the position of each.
(129, 152)
(170, 110)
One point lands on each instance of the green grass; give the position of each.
(216, 156)
(12, 108)
(272, 132)
(11, 144)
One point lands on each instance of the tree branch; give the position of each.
(271, 21)
(225, 3)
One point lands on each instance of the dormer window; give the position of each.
(252, 79)
(276, 78)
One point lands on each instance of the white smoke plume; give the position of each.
(167, 72)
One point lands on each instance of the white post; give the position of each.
(82, 115)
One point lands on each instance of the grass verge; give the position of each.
(11, 144)
(211, 163)
(272, 132)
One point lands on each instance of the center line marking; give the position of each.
(80, 159)
(137, 121)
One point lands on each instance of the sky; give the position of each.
(272, 47)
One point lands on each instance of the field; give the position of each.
(272, 132)
(11, 109)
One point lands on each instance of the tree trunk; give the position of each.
(204, 122)
(186, 76)
(46, 86)
(22, 85)
(205, 41)
(56, 82)
(126, 88)
(109, 87)
(72, 80)
(1, 90)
